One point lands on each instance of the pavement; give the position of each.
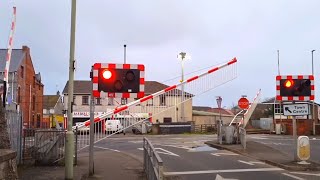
(108, 165)
(267, 154)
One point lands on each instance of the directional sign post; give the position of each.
(296, 109)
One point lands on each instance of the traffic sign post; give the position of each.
(295, 110)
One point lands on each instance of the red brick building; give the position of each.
(25, 92)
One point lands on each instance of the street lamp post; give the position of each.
(313, 116)
(182, 56)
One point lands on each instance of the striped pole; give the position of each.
(10, 43)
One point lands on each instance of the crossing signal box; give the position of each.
(299, 88)
(118, 80)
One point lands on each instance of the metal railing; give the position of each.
(243, 137)
(48, 146)
(14, 127)
(153, 164)
(205, 128)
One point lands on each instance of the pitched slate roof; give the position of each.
(16, 59)
(201, 108)
(49, 101)
(85, 87)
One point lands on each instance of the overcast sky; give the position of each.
(155, 31)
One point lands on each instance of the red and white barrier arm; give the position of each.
(10, 43)
(134, 103)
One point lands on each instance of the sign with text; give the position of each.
(295, 109)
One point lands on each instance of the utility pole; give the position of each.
(91, 161)
(294, 134)
(125, 53)
(313, 113)
(69, 147)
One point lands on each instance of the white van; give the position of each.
(113, 126)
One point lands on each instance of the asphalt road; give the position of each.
(285, 144)
(187, 157)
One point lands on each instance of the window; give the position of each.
(33, 102)
(85, 100)
(34, 81)
(38, 121)
(98, 101)
(162, 100)
(22, 71)
(278, 109)
(110, 102)
(124, 101)
(19, 95)
(74, 100)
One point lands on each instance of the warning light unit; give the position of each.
(118, 80)
(295, 87)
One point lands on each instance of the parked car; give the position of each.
(138, 128)
(113, 126)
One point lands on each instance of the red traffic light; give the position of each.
(107, 74)
(288, 83)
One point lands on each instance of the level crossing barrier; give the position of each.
(162, 101)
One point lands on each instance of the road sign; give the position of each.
(295, 109)
(219, 100)
(243, 103)
(303, 147)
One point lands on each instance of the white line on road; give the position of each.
(251, 162)
(302, 173)
(218, 177)
(292, 176)
(163, 151)
(107, 149)
(227, 154)
(246, 162)
(221, 171)
(168, 145)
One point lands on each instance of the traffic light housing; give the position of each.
(295, 87)
(118, 80)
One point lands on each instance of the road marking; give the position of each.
(302, 173)
(107, 149)
(181, 147)
(227, 154)
(251, 162)
(221, 171)
(136, 142)
(258, 138)
(163, 151)
(218, 177)
(292, 176)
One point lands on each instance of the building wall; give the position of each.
(199, 120)
(22, 84)
(159, 112)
